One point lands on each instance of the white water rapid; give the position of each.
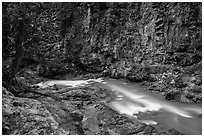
(144, 106)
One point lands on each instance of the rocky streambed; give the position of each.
(81, 109)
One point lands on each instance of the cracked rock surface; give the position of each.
(76, 111)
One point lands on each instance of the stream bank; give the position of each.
(74, 111)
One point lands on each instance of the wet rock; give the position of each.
(172, 95)
(90, 121)
(179, 82)
(76, 111)
(6, 92)
(23, 116)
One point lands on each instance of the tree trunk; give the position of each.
(5, 31)
(19, 52)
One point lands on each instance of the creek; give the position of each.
(143, 106)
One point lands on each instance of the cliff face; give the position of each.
(157, 42)
(145, 33)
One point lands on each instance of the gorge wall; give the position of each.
(159, 43)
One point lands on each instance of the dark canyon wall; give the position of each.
(156, 42)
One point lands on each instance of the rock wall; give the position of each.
(146, 34)
(157, 42)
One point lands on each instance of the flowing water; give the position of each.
(144, 106)
(151, 108)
